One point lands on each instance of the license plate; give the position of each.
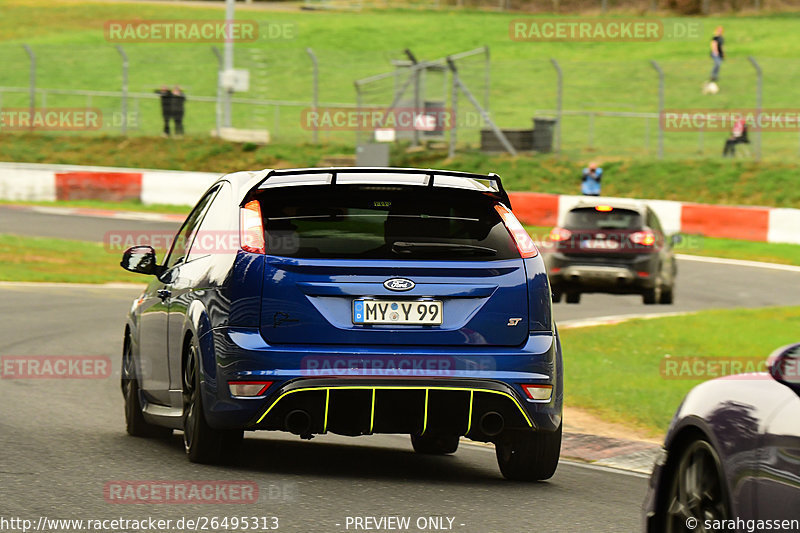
(397, 312)
(600, 244)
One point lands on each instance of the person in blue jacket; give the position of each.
(591, 180)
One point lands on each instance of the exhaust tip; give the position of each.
(298, 422)
(492, 423)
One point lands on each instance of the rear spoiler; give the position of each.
(498, 193)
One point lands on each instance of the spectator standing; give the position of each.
(717, 53)
(166, 107)
(178, 100)
(592, 175)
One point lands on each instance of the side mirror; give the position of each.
(140, 259)
(676, 238)
(784, 365)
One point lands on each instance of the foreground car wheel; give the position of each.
(203, 443)
(135, 424)
(697, 489)
(434, 444)
(529, 456)
(556, 296)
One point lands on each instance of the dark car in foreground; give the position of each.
(611, 246)
(351, 301)
(731, 458)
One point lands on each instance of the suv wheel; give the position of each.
(203, 443)
(529, 456)
(652, 296)
(573, 297)
(135, 424)
(433, 444)
(667, 295)
(556, 295)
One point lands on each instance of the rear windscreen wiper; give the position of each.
(425, 248)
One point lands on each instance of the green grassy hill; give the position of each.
(72, 53)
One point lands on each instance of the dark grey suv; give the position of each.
(615, 247)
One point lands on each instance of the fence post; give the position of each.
(314, 91)
(218, 107)
(759, 87)
(497, 131)
(660, 108)
(32, 82)
(124, 124)
(417, 88)
(451, 150)
(358, 108)
(487, 79)
(559, 101)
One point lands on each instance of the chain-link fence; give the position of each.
(606, 107)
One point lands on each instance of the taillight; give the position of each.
(645, 238)
(248, 389)
(559, 234)
(251, 228)
(525, 245)
(540, 393)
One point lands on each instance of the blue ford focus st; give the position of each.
(353, 301)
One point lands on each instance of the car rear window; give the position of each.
(383, 222)
(591, 218)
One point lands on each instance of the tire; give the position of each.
(203, 443)
(667, 296)
(135, 424)
(529, 456)
(697, 488)
(556, 295)
(573, 297)
(432, 444)
(652, 296)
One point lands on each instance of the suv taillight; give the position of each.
(644, 238)
(559, 234)
(251, 228)
(525, 245)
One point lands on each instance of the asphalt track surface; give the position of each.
(63, 440)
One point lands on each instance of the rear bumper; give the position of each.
(625, 275)
(361, 390)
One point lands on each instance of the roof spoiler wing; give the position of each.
(499, 192)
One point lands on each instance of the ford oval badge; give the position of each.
(399, 284)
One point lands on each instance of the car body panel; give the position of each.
(752, 423)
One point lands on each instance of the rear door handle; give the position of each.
(164, 293)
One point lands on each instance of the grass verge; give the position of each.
(137, 207)
(615, 371)
(698, 180)
(59, 260)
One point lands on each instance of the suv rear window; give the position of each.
(383, 222)
(591, 218)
